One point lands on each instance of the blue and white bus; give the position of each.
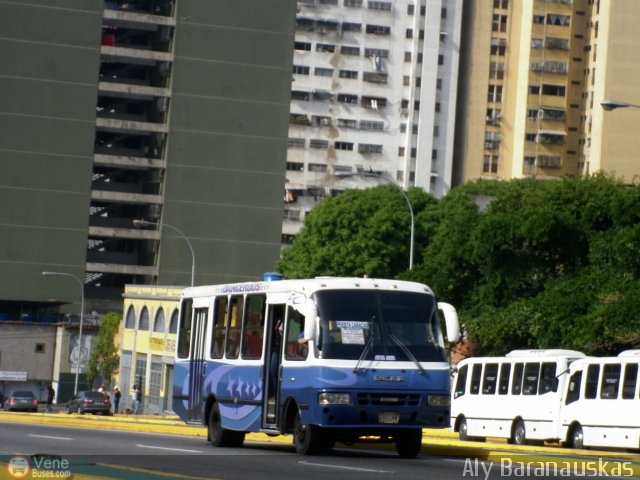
(325, 359)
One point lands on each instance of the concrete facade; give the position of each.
(147, 109)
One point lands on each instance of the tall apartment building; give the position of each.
(141, 109)
(533, 76)
(373, 89)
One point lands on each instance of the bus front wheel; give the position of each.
(463, 430)
(518, 434)
(409, 443)
(221, 437)
(307, 439)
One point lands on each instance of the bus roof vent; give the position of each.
(552, 352)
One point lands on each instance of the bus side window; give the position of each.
(476, 374)
(219, 327)
(503, 386)
(461, 382)
(630, 380)
(295, 349)
(531, 376)
(591, 387)
(253, 327)
(573, 388)
(232, 348)
(184, 330)
(489, 378)
(516, 385)
(610, 381)
(548, 378)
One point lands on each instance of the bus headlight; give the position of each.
(327, 398)
(438, 400)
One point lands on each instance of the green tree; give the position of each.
(359, 232)
(104, 359)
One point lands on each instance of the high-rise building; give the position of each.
(533, 76)
(174, 113)
(373, 89)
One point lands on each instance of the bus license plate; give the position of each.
(388, 417)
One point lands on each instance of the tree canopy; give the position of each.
(528, 263)
(104, 359)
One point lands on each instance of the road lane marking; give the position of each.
(356, 469)
(50, 437)
(168, 448)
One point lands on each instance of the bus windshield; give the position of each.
(379, 325)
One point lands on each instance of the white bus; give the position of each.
(601, 405)
(517, 397)
(325, 359)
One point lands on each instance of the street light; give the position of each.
(384, 175)
(62, 274)
(609, 105)
(145, 223)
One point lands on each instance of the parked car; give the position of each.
(90, 401)
(21, 400)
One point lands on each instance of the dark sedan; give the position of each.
(21, 400)
(89, 402)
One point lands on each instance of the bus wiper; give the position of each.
(407, 352)
(365, 352)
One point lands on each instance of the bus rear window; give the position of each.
(610, 381)
(630, 379)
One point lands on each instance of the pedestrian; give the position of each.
(116, 398)
(137, 399)
(51, 393)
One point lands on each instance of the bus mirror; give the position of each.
(310, 322)
(451, 321)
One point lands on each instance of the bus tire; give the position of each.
(221, 437)
(307, 439)
(518, 434)
(463, 430)
(576, 437)
(409, 443)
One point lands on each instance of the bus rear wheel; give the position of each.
(576, 437)
(409, 443)
(463, 430)
(221, 437)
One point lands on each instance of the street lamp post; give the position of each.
(387, 177)
(609, 105)
(145, 223)
(62, 274)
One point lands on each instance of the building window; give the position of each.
(325, 48)
(440, 59)
(409, 33)
(434, 154)
(348, 50)
(530, 137)
(371, 125)
(499, 23)
(376, 52)
(382, 6)
(401, 151)
(347, 98)
(323, 72)
(490, 164)
(130, 322)
(303, 46)
(378, 29)
(502, 4)
(346, 123)
(39, 347)
(300, 70)
(296, 142)
(495, 93)
(411, 8)
(352, 3)
(295, 166)
(407, 56)
(554, 90)
(351, 27)
(559, 20)
(318, 144)
(343, 146)
(352, 74)
(317, 167)
(366, 148)
(374, 77)
(173, 324)
(144, 319)
(158, 323)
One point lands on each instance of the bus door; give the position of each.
(273, 359)
(196, 364)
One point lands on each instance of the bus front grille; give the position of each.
(389, 399)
